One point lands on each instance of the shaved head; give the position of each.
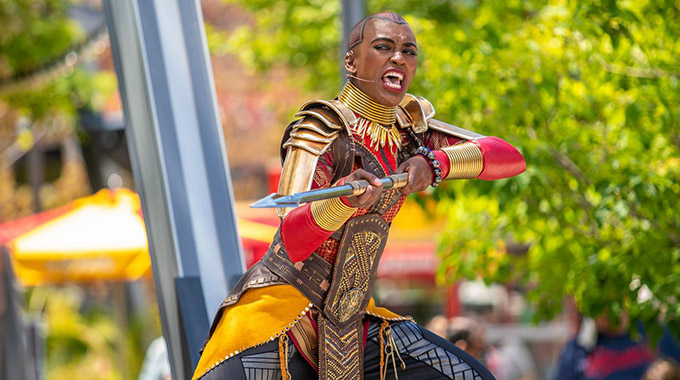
(356, 35)
(382, 57)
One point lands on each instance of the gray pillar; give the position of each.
(179, 163)
(352, 12)
(17, 360)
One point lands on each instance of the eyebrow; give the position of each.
(392, 41)
(383, 39)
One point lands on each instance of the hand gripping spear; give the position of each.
(354, 188)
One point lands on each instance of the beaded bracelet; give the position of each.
(434, 164)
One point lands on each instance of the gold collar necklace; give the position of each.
(376, 119)
(368, 108)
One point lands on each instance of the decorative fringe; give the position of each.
(384, 325)
(283, 357)
(389, 349)
(379, 135)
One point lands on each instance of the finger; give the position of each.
(408, 189)
(402, 168)
(372, 179)
(367, 199)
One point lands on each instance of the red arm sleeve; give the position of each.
(499, 158)
(300, 233)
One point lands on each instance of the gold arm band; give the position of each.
(331, 214)
(297, 174)
(465, 160)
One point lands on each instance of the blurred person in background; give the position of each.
(604, 351)
(468, 335)
(510, 359)
(156, 364)
(439, 325)
(663, 369)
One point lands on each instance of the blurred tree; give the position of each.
(41, 89)
(297, 33)
(83, 337)
(587, 90)
(38, 74)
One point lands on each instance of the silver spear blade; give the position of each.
(276, 200)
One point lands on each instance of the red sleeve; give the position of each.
(299, 232)
(437, 140)
(444, 164)
(501, 160)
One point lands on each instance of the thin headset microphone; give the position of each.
(357, 78)
(351, 53)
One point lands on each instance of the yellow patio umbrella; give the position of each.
(99, 237)
(95, 238)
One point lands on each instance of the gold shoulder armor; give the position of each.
(415, 112)
(332, 112)
(320, 122)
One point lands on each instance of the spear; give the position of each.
(354, 188)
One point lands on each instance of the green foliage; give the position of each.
(64, 94)
(83, 337)
(297, 33)
(33, 33)
(77, 343)
(588, 91)
(589, 94)
(36, 35)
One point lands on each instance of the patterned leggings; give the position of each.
(426, 355)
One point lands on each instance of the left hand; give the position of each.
(419, 174)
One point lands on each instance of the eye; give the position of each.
(410, 52)
(382, 47)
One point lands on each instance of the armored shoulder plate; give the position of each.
(415, 112)
(319, 124)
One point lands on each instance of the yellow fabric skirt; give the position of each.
(260, 316)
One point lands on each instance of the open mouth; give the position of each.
(393, 80)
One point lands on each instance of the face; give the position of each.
(387, 58)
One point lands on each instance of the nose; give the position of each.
(397, 58)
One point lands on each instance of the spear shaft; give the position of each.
(354, 188)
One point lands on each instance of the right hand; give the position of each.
(368, 198)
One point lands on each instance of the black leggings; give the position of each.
(426, 355)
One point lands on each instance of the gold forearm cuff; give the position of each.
(331, 214)
(465, 160)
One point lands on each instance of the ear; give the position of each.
(461, 344)
(350, 63)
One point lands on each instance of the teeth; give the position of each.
(395, 74)
(393, 85)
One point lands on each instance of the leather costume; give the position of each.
(333, 268)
